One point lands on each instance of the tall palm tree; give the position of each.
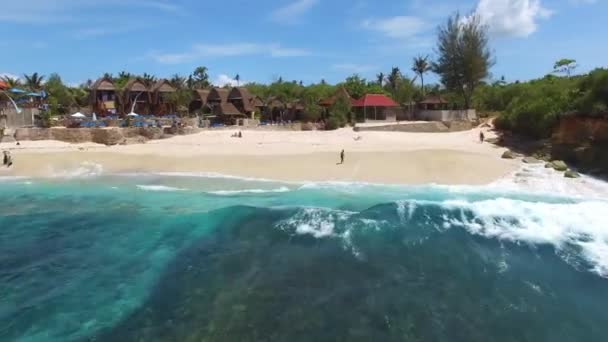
(11, 82)
(393, 79)
(179, 82)
(380, 79)
(34, 81)
(421, 66)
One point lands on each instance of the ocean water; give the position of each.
(87, 256)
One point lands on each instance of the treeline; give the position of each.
(532, 108)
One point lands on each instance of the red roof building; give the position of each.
(3, 85)
(374, 100)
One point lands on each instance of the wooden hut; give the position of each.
(433, 102)
(103, 97)
(275, 110)
(162, 102)
(138, 97)
(199, 102)
(242, 100)
(217, 100)
(295, 111)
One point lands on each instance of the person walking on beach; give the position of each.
(5, 161)
(482, 137)
(342, 157)
(8, 160)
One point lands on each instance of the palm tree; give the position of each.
(34, 81)
(421, 66)
(11, 82)
(393, 79)
(237, 78)
(380, 79)
(148, 79)
(179, 82)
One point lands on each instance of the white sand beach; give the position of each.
(379, 157)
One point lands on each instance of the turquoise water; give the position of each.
(168, 258)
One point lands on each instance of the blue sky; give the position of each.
(304, 40)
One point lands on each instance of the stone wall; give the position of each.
(421, 127)
(446, 115)
(9, 118)
(106, 136)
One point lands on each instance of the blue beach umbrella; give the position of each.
(17, 91)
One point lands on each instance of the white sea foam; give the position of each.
(318, 222)
(583, 224)
(159, 188)
(84, 170)
(248, 191)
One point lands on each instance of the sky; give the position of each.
(303, 40)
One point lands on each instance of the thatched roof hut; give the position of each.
(136, 85)
(228, 109)
(275, 103)
(163, 86)
(201, 95)
(330, 101)
(218, 95)
(103, 84)
(241, 97)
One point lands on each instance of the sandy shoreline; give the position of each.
(377, 157)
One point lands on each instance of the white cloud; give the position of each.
(354, 68)
(45, 11)
(229, 50)
(514, 18)
(293, 11)
(9, 75)
(397, 27)
(224, 80)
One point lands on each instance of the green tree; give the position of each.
(59, 95)
(339, 113)
(421, 66)
(34, 81)
(200, 78)
(380, 78)
(11, 82)
(148, 80)
(565, 66)
(393, 80)
(355, 85)
(464, 56)
(178, 82)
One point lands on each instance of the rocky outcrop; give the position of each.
(559, 165)
(582, 141)
(112, 136)
(571, 174)
(508, 155)
(531, 160)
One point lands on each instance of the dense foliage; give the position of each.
(532, 108)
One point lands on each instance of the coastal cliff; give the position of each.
(582, 141)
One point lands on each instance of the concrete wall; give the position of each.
(421, 127)
(446, 115)
(9, 118)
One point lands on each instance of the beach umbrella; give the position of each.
(17, 91)
(78, 115)
(132, 115)
(94, 117)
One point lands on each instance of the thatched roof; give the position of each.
(330, 101)
(242, 94)
(275, 103)
(163, 86)
(297, 105)
(103, 83)
(228, 109)
(136, 85)
(433, 99)
(218, 95)
(202, 95)
(257, 102)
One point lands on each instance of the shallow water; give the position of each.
(172, 257)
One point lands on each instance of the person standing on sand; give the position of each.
(342, 157)
(8, 160)
(5, 161)
(482, 137)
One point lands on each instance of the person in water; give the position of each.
(342, 157)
